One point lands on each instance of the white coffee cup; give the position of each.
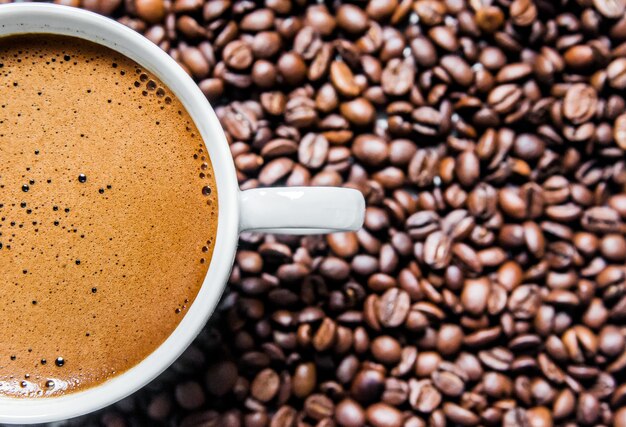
(293, 210)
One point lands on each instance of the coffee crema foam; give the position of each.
(108, 214)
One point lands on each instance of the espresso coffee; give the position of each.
(108, 214)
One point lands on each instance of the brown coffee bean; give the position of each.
(497, 385)
(292, 68)
(449, 339)
(189, 395)
(285, 416)
(511, 72)
(580, 103)
(379, 9)
(352, 19)
(610, 9)
(367, 386)
(492, 58)
(430, 12)
(601, 219)
(427, 121)
(393, 308)
(300, 112)
(611, 341)
(250, 262)
(498, 358)
(444, 37)
(502, 99)
(524, 301)
(304, 380)
(237, 55)
(587, 410)
(275, 170)
(325, 336)
(426, 363)
(437, 250)
(386, 349)
(579, 57)
(265, 44)
(460, 415)
(313, 150)
(396, 392)
(257, 20)
(343, 80)
(398, 76)
(539, 416)
(423, 167)
(619, 131)
(265, 385)
(318, 406)
(195, 61)
(616, 73)
(489, 18)
(152, 11)
(264, 74)
(104, 7)
(359, 111)
(318, 17)
(458, 69)
(448, 383)
(468, 168)
(383, 415)
(344, 244)
(528, 146)
(370, 149)
(424, 51)
(307, 43)
(349, 413)
(424, 396)
(475, 295)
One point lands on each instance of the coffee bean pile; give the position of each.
(487, 286)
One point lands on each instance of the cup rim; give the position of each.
(38, 18)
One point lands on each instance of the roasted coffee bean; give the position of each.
(424, 396)
(448, 383)
(349, 413)
(359, 111)
(393, 307)
(449, 339)
(265, 385)
(292, 68)
(460, 415)
(467, 168)
(237, 55)
(342, 78)
(475, 295)
(580, 103)
(397, 77)
(352, 19)
(318, 406)
(383, 415)
(367, 385)
(437, 250)
(313, 150)
(370, 149)
(386, 349)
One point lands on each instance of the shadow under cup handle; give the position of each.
(301, 210)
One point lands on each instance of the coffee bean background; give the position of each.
(487, 286)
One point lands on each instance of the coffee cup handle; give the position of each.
(301, 210)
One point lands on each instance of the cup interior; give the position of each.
(52, 19)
